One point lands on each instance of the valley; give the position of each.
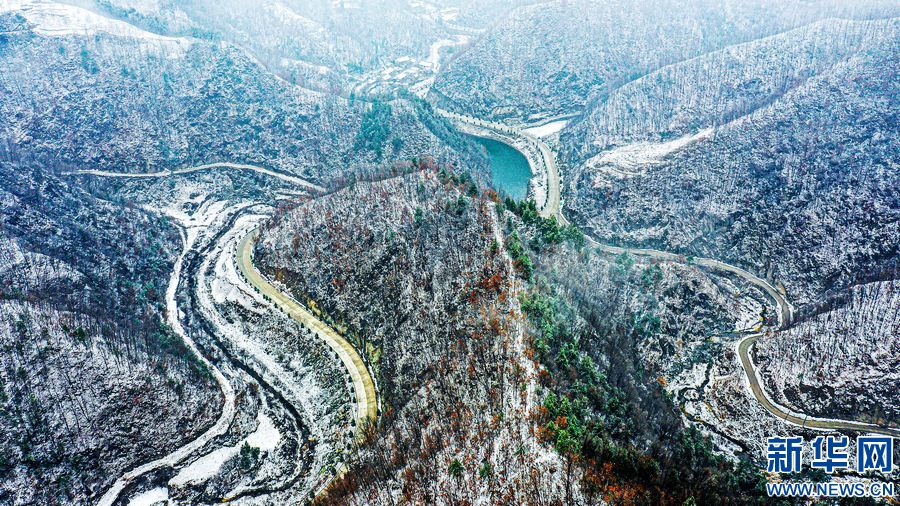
(398, 252)
(364, 393)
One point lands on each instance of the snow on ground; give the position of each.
(54, 19)
(434, 52)
(842, 361)
(690, 378)
(548, 129)
(193, 226)
(748, 312)
(266, 437)
(632, 159)
(150, 497)
(294, 380)
(415, 75)
(746, 304)
(284, 12)
(36, 268)
(196, 214)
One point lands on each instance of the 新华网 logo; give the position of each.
(831, 454)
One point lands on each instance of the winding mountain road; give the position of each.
(365, 395)
(218, 165)
(552, 207)
(745, 344)
(364, 388)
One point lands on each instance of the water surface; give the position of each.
(509, 168)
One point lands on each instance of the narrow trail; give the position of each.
(218, 165)
(552, 207)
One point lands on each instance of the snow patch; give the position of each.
(55, 19)
(266, 437)
(150, 497)
(633, 159)
(547, 129)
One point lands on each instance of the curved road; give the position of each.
(785, 317)
(365, 394)
(220, 165)
(552, 207)
(743, 349)
(363, 384)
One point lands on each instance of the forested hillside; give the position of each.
(413, 270)
(92, 382)
(169, 103)
(843, 361)
(803, 190)
(318, 44)
(553, 58)
(719, 87)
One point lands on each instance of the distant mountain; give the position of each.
(322, 44)
(719, 87)
(94, 92)
(549, 58)
(802, 188)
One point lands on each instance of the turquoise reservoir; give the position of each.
(509, 168)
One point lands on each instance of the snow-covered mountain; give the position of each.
(247, 254)
(169, 103)
(773, 185)
(551, 58)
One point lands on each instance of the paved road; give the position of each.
(785, 318)
(222, 165)
(552, 207)
(363, 386)
(785, 312)
(743, 349)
